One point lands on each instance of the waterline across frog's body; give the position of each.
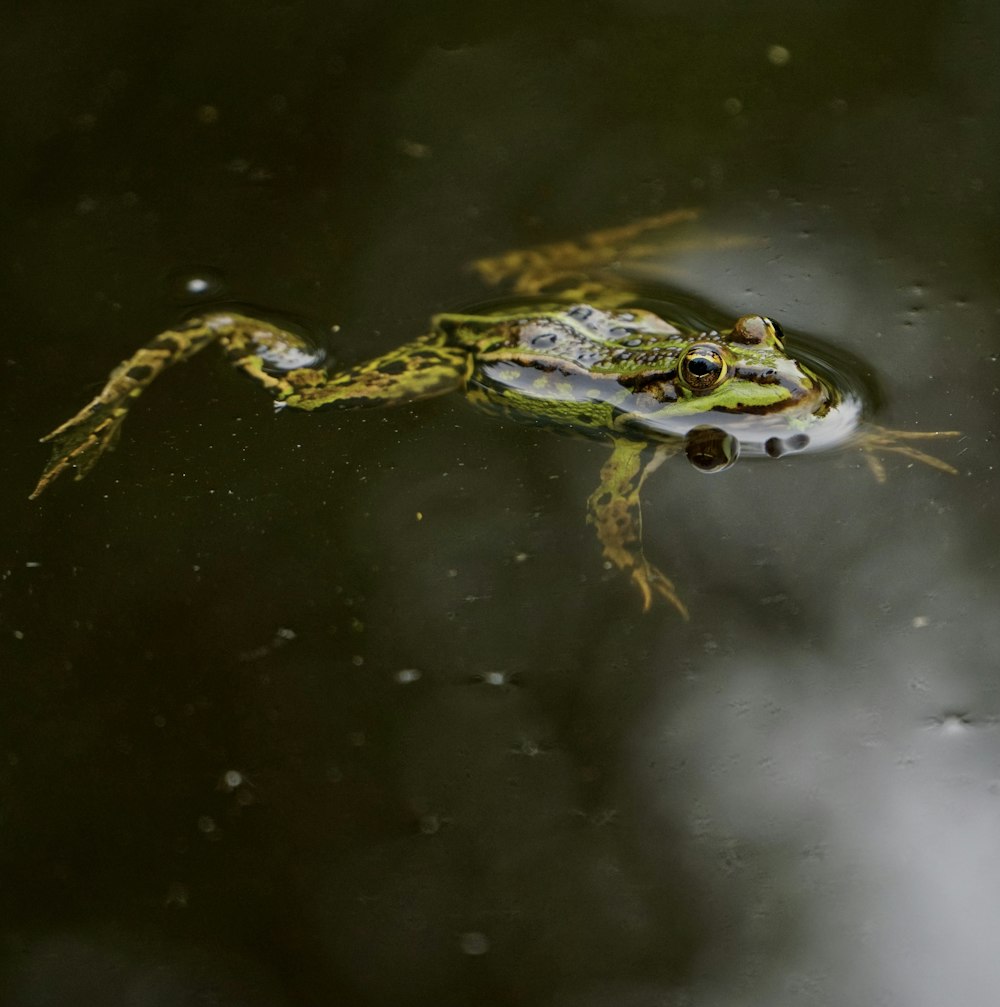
(587, 356)
(625, 372)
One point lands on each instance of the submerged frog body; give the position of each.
(585, 355)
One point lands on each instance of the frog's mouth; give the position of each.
(800, 391)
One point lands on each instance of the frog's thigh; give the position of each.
(416, 370)
(614, 510)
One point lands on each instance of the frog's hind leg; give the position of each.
(279, 360)
(534, 270)
(615, 511)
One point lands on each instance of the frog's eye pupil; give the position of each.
(699, 366)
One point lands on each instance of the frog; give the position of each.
(574, 344)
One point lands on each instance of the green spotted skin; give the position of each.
(599, 362)
(620, 372)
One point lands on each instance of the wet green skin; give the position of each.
(594, 360)
(625, 372)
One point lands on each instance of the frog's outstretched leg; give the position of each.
(614, 510)
(534, 269)
(272, 357)
(877, 439)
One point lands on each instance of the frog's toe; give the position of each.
(653, 583)
(879, 440)
(79, 444)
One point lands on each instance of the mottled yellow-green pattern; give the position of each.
(588, 356)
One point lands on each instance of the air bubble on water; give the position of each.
(406, 676)
(196, 283)
(532, 749)
(231, 779)
(494, 678)
(953, 723)
(429, 824)
(778, 55)
(414, 149)
(474, 943)
(206, 824)
(177, 896)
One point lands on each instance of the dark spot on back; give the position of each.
(544, 341)
(139, 373)
(392, 367)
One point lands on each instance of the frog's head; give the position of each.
(746, 371)
(742, 383)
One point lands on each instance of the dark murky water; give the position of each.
(267, 738)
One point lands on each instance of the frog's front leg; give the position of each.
(875, 440)
(281, 361)
(615, 511)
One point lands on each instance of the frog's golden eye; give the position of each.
(753, 330)
(702, 367)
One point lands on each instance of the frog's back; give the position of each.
(563, 363)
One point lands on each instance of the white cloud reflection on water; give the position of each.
(844, 809)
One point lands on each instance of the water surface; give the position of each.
(343, 708)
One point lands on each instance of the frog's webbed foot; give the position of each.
(536, 270)
(79, 443)
(653, 582)
(614, 510)
(878, 440)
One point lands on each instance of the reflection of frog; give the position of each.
(571, 348)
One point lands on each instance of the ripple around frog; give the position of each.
(854, 394)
